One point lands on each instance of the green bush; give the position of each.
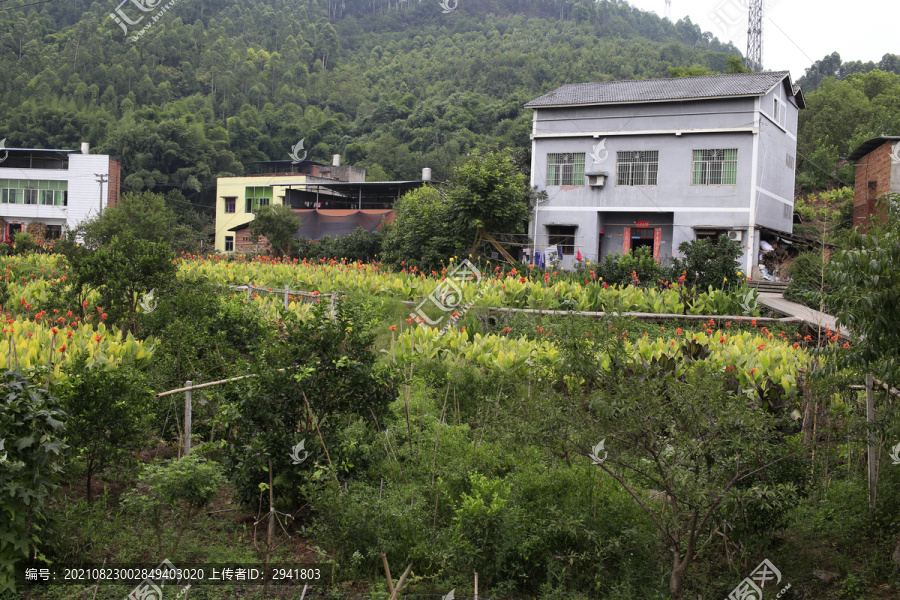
(323, 359)
(708, 263)
(359, 245)
(31, 450)
(173, 493)
(106, 410)
(622, 268)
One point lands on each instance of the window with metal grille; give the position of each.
(565, 168)
(562, 236)
(714, 167)
(637, 168)
(229, 243)
(230, 204)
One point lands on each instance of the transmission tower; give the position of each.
(669, 9)
(754, 36)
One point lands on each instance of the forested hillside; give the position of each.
(393, 86)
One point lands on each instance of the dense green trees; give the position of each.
(840, 115)
(213, 84)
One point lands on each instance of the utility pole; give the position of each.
(101, 179)
(754, 36)
(669, 10)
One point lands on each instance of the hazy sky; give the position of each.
(858, 30)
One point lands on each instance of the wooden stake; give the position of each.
(387, 573)
(401, 582)
(50, 365)
(476, 586)
(870, 421)
(188, 405)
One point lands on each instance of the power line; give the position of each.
(25, 5)
(791, 41)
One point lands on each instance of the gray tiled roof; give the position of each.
(651, 90)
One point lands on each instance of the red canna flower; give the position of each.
(97, 338)
(678, 331)
(62, 348)
(393, 328)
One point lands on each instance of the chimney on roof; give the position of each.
(426, 174)
(85, 148)
(336, 160)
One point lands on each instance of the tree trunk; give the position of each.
(676, 580)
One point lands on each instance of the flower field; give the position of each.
(513, 289)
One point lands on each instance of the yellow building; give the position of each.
(330, 199)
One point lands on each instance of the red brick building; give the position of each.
(877, 173)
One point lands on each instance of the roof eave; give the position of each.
(694, 99)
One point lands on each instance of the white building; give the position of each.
(47, 192)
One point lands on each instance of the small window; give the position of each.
(714, 167)
(637, 168)
(230, 204)
(778, 112)
(53, 232)
(47, 197)
(565, 168)
(229, 243)
(789, 161)
(710, 234)
(31, 196)
(562, 236)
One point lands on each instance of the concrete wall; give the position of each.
(84, 192)
(777, 157)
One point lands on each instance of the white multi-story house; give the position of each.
(659, 162)
(47, 192)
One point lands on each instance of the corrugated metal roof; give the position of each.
(870, 145)
(655, 90)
